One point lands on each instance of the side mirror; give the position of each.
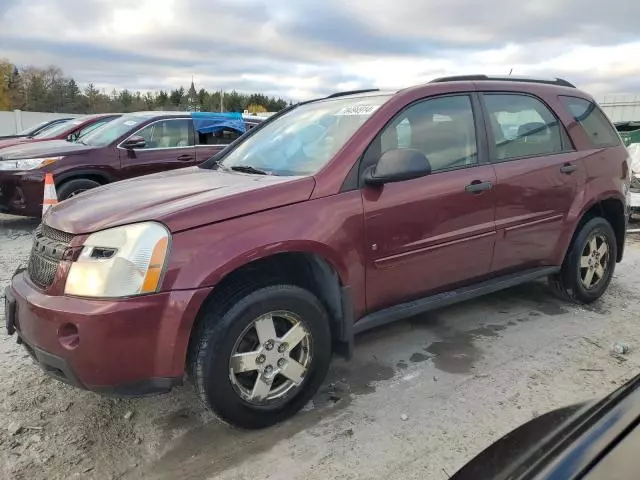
(134, 142)
(398, 165)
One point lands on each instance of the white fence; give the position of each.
(16, 121)
(621, 108)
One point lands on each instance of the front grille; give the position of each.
(48, 249)
(57, 235)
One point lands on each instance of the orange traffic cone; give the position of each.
(50, 195)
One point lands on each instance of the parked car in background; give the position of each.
(327, 220)
(597, 440)
(629, 132)
(69, 130)
(35, 129)
(129, 146)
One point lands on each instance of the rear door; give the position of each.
(539, 174)
(430, 233)
(211, 143)
(169, 145)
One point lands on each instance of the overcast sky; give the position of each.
(303, 48)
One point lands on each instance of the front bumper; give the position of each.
(133, 346)
(21, 193)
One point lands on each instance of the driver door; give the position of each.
(169, 145)
(436, 232)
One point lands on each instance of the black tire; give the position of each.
(221, 327)
(568, 284)
(73, 187)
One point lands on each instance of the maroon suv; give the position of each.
(333, 217)
(132, 145)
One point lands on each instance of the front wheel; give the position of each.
(589, 264)
(259, 358)
(75, 187)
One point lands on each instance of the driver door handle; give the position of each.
(568, 168)
(185, 158)
(477, 186)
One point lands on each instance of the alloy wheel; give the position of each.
(271, 358)
(594, 261)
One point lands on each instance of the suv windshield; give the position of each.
(34, 128)
(57, 129)
(101, 137)
(303, 140)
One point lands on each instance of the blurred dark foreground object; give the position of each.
(590, 441)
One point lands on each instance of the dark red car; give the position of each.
(129, 146)
(69, 130)
(333, 217)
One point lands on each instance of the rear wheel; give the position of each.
(260, 357)
(75, 187)
(589, 264)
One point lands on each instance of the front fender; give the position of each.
(330, 227)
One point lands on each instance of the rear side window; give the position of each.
(220, 137)
(522, 126)
(594, 122)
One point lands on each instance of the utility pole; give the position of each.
(221, 101)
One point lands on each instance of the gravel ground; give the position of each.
(420, 398)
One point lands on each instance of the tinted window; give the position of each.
(221, 137)
(522, 126)
(593, 121)
(441, 128)
(167, 134)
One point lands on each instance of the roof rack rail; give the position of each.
(470, 78)
(353, 92)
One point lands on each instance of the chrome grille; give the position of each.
(48, 249)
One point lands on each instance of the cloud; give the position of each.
(301, 48)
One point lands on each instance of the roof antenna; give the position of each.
(510, 71)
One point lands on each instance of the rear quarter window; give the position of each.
(593, 121)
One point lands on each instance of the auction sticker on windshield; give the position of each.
(358, 110)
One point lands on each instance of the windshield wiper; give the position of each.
(248, 169)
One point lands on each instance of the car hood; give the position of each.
(181, 199)
(49, 148)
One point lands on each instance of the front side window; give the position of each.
(522, 126)
(441, 128)
(304, 139)
(593, 121)
(167, 134)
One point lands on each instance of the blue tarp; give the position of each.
(209, 122)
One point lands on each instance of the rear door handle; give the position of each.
(185, 158)
(568, 168)
(477, 186)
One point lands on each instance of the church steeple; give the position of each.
(192, 98)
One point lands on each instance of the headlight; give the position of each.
(27, 163)
(120, 262)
